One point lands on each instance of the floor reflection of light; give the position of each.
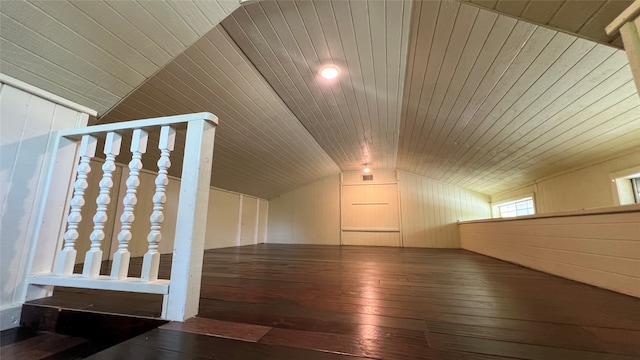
(369, 302)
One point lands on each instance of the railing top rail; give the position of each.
(178, 121)
(629, 14)
(632, 208)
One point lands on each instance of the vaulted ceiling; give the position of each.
(473, 94)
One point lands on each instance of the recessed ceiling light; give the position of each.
(329, 72)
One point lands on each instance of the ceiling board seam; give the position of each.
(415, 29)
(589, 118)
(584, 94)
(164, 26)
(531, 104)
(341, 36)
(318, 88)
(118, 37)
(350, 125)
(275, 93)
(320, 130)
(360, 67)
(575, 146)
(106, 54)
(595, 12)
(188, 23)
(469, 74)
(100, 117)
(89, 101)
(461, 89)
(546, 24)
(426, 119)
(454, 71)
(467, 78)
(333, 94)
(96, 70)
(297, 70)
(426, 67)
(492, 87)
(249, 111)
(533, 82)
(81, 36)
(407, 7)
(56, 66)
(482, 156)
(498, 174)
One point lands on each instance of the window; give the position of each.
(626, 186)
(635, 185)
(520, 207)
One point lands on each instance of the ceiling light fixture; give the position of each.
(329, 72)
(366, 169)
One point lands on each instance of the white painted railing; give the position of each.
(65, 196)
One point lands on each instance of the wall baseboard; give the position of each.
(10, 316)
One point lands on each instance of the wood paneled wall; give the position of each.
(431, 209)
(429, 212)
(597, 249)
(307, 215)
(28, 132)
(585, 188)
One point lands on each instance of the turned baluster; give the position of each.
(93, 258)
(120, 266)
(151, 259)
(67, 256)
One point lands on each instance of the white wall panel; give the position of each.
(431, 210)
(263, 218)
(222, 224)
(597, 249)
(249, 221)
(28, 125)
(307, 215)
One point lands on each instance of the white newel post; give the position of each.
(120, 266)
(67, 257)
(186, 269)
(151, 260)
(93, 258)
(628, 24)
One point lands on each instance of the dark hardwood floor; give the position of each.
(323, 302)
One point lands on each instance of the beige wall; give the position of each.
(28, 125)
(307, 215)
(431, 209)
(584, 188)
(600, 249)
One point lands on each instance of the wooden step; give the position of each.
(105, 327)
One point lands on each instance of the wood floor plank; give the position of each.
(381, 302)
(39, 347)
(225, 329)
(171, 344)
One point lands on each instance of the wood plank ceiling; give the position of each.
(442, 89)
(96, 52)
(491, 102)
(355, 119)
(585, 18)
(261, 148)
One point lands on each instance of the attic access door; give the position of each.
(370, 215)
